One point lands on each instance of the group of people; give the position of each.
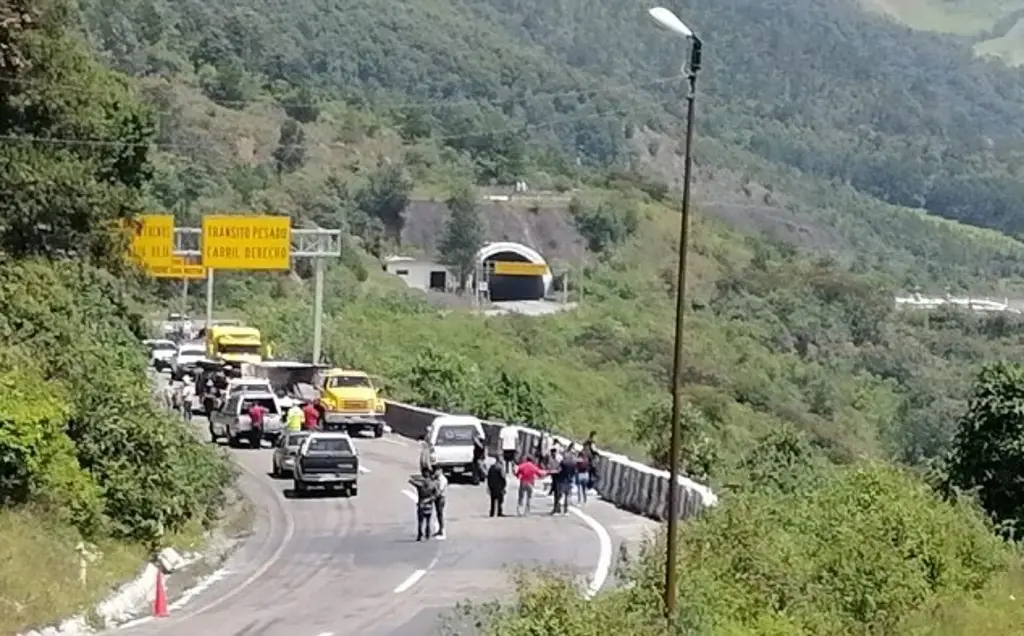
(571, 470)
(301, 417)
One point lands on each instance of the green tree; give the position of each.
(385, 197)
(290, 153)
(987, 454)
(605, 225)
(65, 199)
(301, 105)
(699, 454)
(463, 233)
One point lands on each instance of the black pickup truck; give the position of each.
(327, 460)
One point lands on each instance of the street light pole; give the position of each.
(669, 20)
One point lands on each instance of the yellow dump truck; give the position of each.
(349, 400)
(234, 344)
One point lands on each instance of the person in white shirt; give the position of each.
(509, 441)
(440, 501)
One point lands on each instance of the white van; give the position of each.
(451, 437)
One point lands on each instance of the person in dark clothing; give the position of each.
(479, 455)
(563, 482)
(590, 452)
(496, 485)
(426, 494)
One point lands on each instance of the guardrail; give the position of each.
(623, 482)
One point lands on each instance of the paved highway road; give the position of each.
(326, 566)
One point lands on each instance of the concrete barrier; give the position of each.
(628, 484)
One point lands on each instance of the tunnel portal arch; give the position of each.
(508, 287)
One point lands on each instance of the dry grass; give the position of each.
(40, 571)
(998, 611)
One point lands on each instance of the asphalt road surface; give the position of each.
(330, 566)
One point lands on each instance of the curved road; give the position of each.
(328, 566)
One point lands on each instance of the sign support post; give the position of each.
(209, 299)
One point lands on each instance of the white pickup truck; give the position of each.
(451, 437)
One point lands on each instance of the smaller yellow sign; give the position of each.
(179, 268)
(153, 239)
(247, 242)
(511, 268)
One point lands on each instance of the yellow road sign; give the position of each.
(153, 239)
(511, 268)
(179, 268)
(247, 242)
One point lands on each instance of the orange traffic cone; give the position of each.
(160, 600)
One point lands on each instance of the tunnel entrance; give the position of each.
(511, 287)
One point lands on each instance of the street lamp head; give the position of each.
(667, 19)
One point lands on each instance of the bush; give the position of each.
(94, 427)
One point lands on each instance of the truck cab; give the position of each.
(327, 460)
(350, 401)
(234, 344)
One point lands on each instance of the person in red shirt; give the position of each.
(257, 414)
(527, 473)
(312, 416)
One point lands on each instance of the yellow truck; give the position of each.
(234, 344)
(349, 400)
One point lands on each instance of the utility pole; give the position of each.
(318, 308)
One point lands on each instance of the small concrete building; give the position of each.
(421, 273)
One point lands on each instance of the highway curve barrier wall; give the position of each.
(628, 484)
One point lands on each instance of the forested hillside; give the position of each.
(821, 86)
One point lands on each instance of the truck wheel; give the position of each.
(378, 431)
(475, 478)
(275, 472)
(353, 491)
(298, 487)
(233, 441)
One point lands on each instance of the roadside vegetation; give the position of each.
(90, 468)
(830, 421)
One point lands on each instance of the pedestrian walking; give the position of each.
(497, 483)
(440, 501)
(527, 472)
(563, 482)
(582, 478)
(509, 440)
(426, 494)
(479, 456)
(550, 465)
(590, 452)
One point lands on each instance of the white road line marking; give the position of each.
(269, 563)
(199, 588)
(325, 634)
(604, 557)
(410, 494)
(396, 442)
(414, 578)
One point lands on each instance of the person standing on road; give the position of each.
(426, 494)
(294, 419)
(509, 440)
(440, 501)
(479, 455)
(188, 391)
(527, 473)
(311, 416)
(428, 458)
(496, 486)
(257, 415)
